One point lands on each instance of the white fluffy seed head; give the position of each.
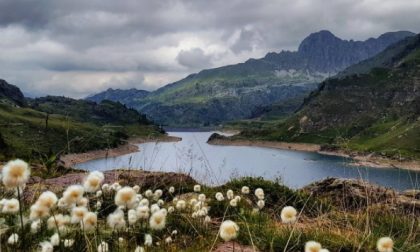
(38, 212)
(181, 205)
(148, 240)
(35, 226)
(148, 193)
(228, 230)
(90, 221)
(15, 174)
(202, 197)
(116, 220)
(158, 220)
(385, 244)
(288, 214)
(259, 193)
(77, 214)
(103, 247)
(136, 188)
(55, 239)
(312, 246)
(171, 189)
(233, 203)
(13, 239)
(47, 199)
(132, 216)
(73, 194)
(126, 197)
(197, 188)
(245, 190)
(93, 181)
(143, 212)
(46, 246)
(261, 204)
(229, 194)
(68, 243)
(219, 196)
(10, 206)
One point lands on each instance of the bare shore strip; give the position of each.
(359, 160)
(70, 160)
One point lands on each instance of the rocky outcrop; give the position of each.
(145, 179)
(357, 194)
(11, 94)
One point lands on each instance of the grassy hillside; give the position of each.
(377, 111)
(25, 133)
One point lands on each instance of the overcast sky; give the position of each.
(78, 47)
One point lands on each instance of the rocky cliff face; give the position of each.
(375, 110)
(11, 94)
(234, 92)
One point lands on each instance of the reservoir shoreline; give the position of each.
(359, 159)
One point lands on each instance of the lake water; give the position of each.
(212, 164)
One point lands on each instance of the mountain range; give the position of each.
(372, 106)
(233, 92)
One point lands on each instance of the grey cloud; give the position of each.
(194, 58)
(59, 45)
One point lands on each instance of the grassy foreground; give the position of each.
(195, 226)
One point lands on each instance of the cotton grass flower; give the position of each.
(136, 188)
(154, 208)
(55, 239)
(259, 193)
(47, 199)
(15, 174)
(116, 220)
(58, 220)
(38, 212)
(93, 181)
(288, 214)
(90, 221)
(13, 239)
(157, 194)
(233, 203)
(228, 230)
(106, 187)
(148, 193)
(197, 188)
(10, 206)
(148, 240)
(385, 244)
(168, 240)
(103, 247)
(245, 190)
(181, 205)
(125, 197)
(219, 196)
(46, 246)
(313, 246)
(261, 204)
(73, 194)
(68, 243)
(35, 226)
(171, 189)
(144, 202)
(158, 220)
(229, 194)
(83, 202)
(202, 197)
(324, 250)
(77, 214)
(143, 212)
(132, 217)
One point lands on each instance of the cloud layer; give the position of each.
(75, 48)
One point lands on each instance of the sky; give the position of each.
(78, 47)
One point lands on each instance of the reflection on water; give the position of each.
(212, 164)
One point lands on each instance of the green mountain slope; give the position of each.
(377, 111)
(57, 125)
(215, 96)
